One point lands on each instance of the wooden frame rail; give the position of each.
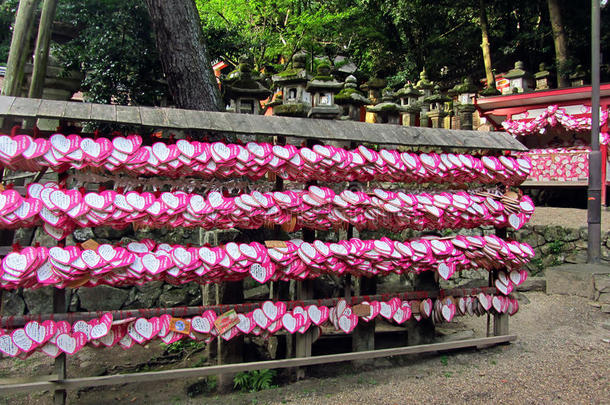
(17, 321)
(73, 383)
(318, 129)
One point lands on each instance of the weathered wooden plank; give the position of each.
(5, 104)
(500, 324)
(77, 111)
(225, 122)
(175, 117)
(103, 112)
(358, 132)
(25, 107)
(25, 380)
(153, 117)
(20, 320)
(128, 115)
(52, 109)
(194, 120)
(74, 383)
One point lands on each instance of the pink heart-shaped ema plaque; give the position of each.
(317, 314)
(201, 324)
(71, 344)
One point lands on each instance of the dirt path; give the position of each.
(559, 357)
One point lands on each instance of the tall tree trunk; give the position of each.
(20, 47)
(41, 54)
(183, 54)
(561, 46)
(491, 83)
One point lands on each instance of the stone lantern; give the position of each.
(520, 80)
(386, 112)
(409, 101)
(543, 78)
(373, 88)
(425, 87)
(296, 101)
(578, 77)
(242, 92)
(323, 87)
(436, 104)
(466, 92)
(351, 99)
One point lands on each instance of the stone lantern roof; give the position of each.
(323, 81)
(437, 97)
(387, 104)
(350, 93)
(408, 91)
(241, 82)
(578, 77)
(423, 82)
(374, 83)
(518, 71)
(543, 72)
(465, 87)
(296, 74)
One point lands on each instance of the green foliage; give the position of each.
(444, 360)
(182, 346)
(555, 246)
(115, 50)
(272, 29)
(536, 264)
(8, 9)
(255, 380)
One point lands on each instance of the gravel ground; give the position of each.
(566, 217)
(560, 357)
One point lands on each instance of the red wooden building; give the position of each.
(555, 125)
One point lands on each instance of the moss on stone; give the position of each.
(289, 72)
(345, 95)
(290, 109)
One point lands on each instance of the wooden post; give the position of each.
(363, 337)
(59, 306)
(41, 53)
(230, 351)
(500, 324)
(305, 340)
(422, 332)
(500, 320)
(19, 47)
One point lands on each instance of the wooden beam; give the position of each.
(17, 321)
(26, 380)
(357, 132)
(59, 366)
(74, 383)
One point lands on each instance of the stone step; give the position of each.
(584, 280)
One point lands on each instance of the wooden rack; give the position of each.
(15, 108)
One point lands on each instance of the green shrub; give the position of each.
(255, 380)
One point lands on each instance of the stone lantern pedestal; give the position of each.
(409, 116)
(465, 112)
(437, 118)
